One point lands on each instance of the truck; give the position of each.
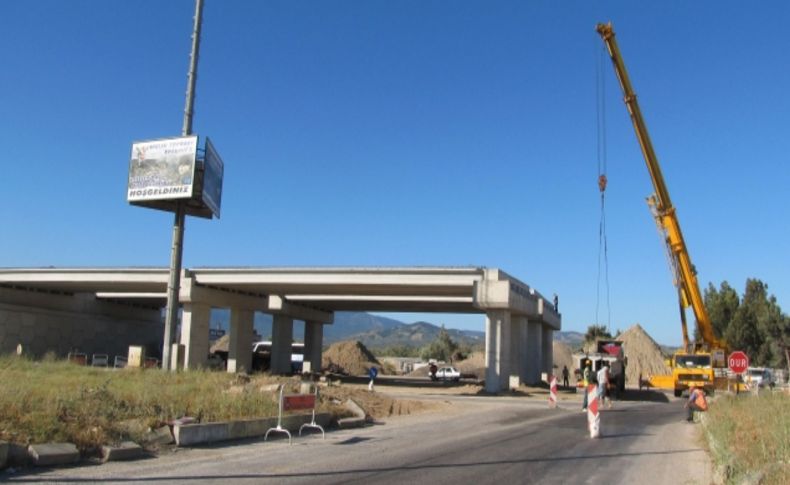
(699, 363)
(607, 352)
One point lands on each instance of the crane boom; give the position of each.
(661, 204)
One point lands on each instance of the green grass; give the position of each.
(53, 401)
(752, 435)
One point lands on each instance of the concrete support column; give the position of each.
(313, 343)
(547, 350)
(194, 334)
(282, 338)
(497, 350)
(519, 338)
(240, 344)
(515, 358)
(534, 344)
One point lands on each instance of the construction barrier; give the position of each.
(593, 415)
(78, 358)
(294, 402)
(552, 391)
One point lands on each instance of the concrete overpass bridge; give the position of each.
(47, 309)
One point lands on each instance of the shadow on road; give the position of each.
(647, 395)
(354, 471)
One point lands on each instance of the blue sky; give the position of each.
(408, 133)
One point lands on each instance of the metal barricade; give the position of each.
(294, 402)
(100, 360)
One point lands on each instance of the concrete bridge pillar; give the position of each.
(313, 343)
(240, 344)
(194, 334)
(513, 350)
(497, 350)
(519, 338)
(282, 340)
(547, 350)
(534, 345)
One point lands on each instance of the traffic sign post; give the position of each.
(738, 362)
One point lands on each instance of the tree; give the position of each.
(721, 306)
(442, 348)
(595, 332)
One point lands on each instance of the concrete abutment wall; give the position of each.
(58, 323)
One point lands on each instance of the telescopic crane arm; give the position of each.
(661, 205)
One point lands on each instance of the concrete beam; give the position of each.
(505, 295)
(278, 304)
(191, 292)
(549, 315)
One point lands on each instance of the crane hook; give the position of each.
(602, 182)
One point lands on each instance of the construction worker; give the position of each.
(372, 373)
(586, 378)
(696, 402)
(603, 383)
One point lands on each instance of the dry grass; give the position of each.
(52, 400)
(754, 434)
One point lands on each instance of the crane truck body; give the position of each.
(695, 364)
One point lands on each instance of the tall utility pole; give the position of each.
(177, 249)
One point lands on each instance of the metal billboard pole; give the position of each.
(177, 249)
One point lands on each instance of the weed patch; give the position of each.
(752, 434)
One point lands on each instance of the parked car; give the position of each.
(448, 374)
(760, 376)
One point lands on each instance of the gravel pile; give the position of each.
(562, 357)
(350, 357)
(644, 355)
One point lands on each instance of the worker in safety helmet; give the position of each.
(696, 402)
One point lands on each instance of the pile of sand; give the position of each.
(474, 364)
(350, 357)
(222, 344)
(643, 354)
(562, 357)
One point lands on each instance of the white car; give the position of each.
(760, 376)
(448, 374)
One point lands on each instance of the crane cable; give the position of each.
(603, 252)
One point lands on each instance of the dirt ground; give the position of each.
(378, 405)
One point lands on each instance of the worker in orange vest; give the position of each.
(696, 402)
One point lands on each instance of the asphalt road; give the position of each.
(471, 440)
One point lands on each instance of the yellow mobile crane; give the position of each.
(693, 364)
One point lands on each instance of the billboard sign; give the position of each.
(212, 178)
(162, 169)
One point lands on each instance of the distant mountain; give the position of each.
(416, 334)
(573, 340)
(378, 332)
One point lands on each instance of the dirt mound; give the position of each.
(222, 344)
(475, 365)
(378, 405)
(349, 356)
(643, 353)
(562, 357)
